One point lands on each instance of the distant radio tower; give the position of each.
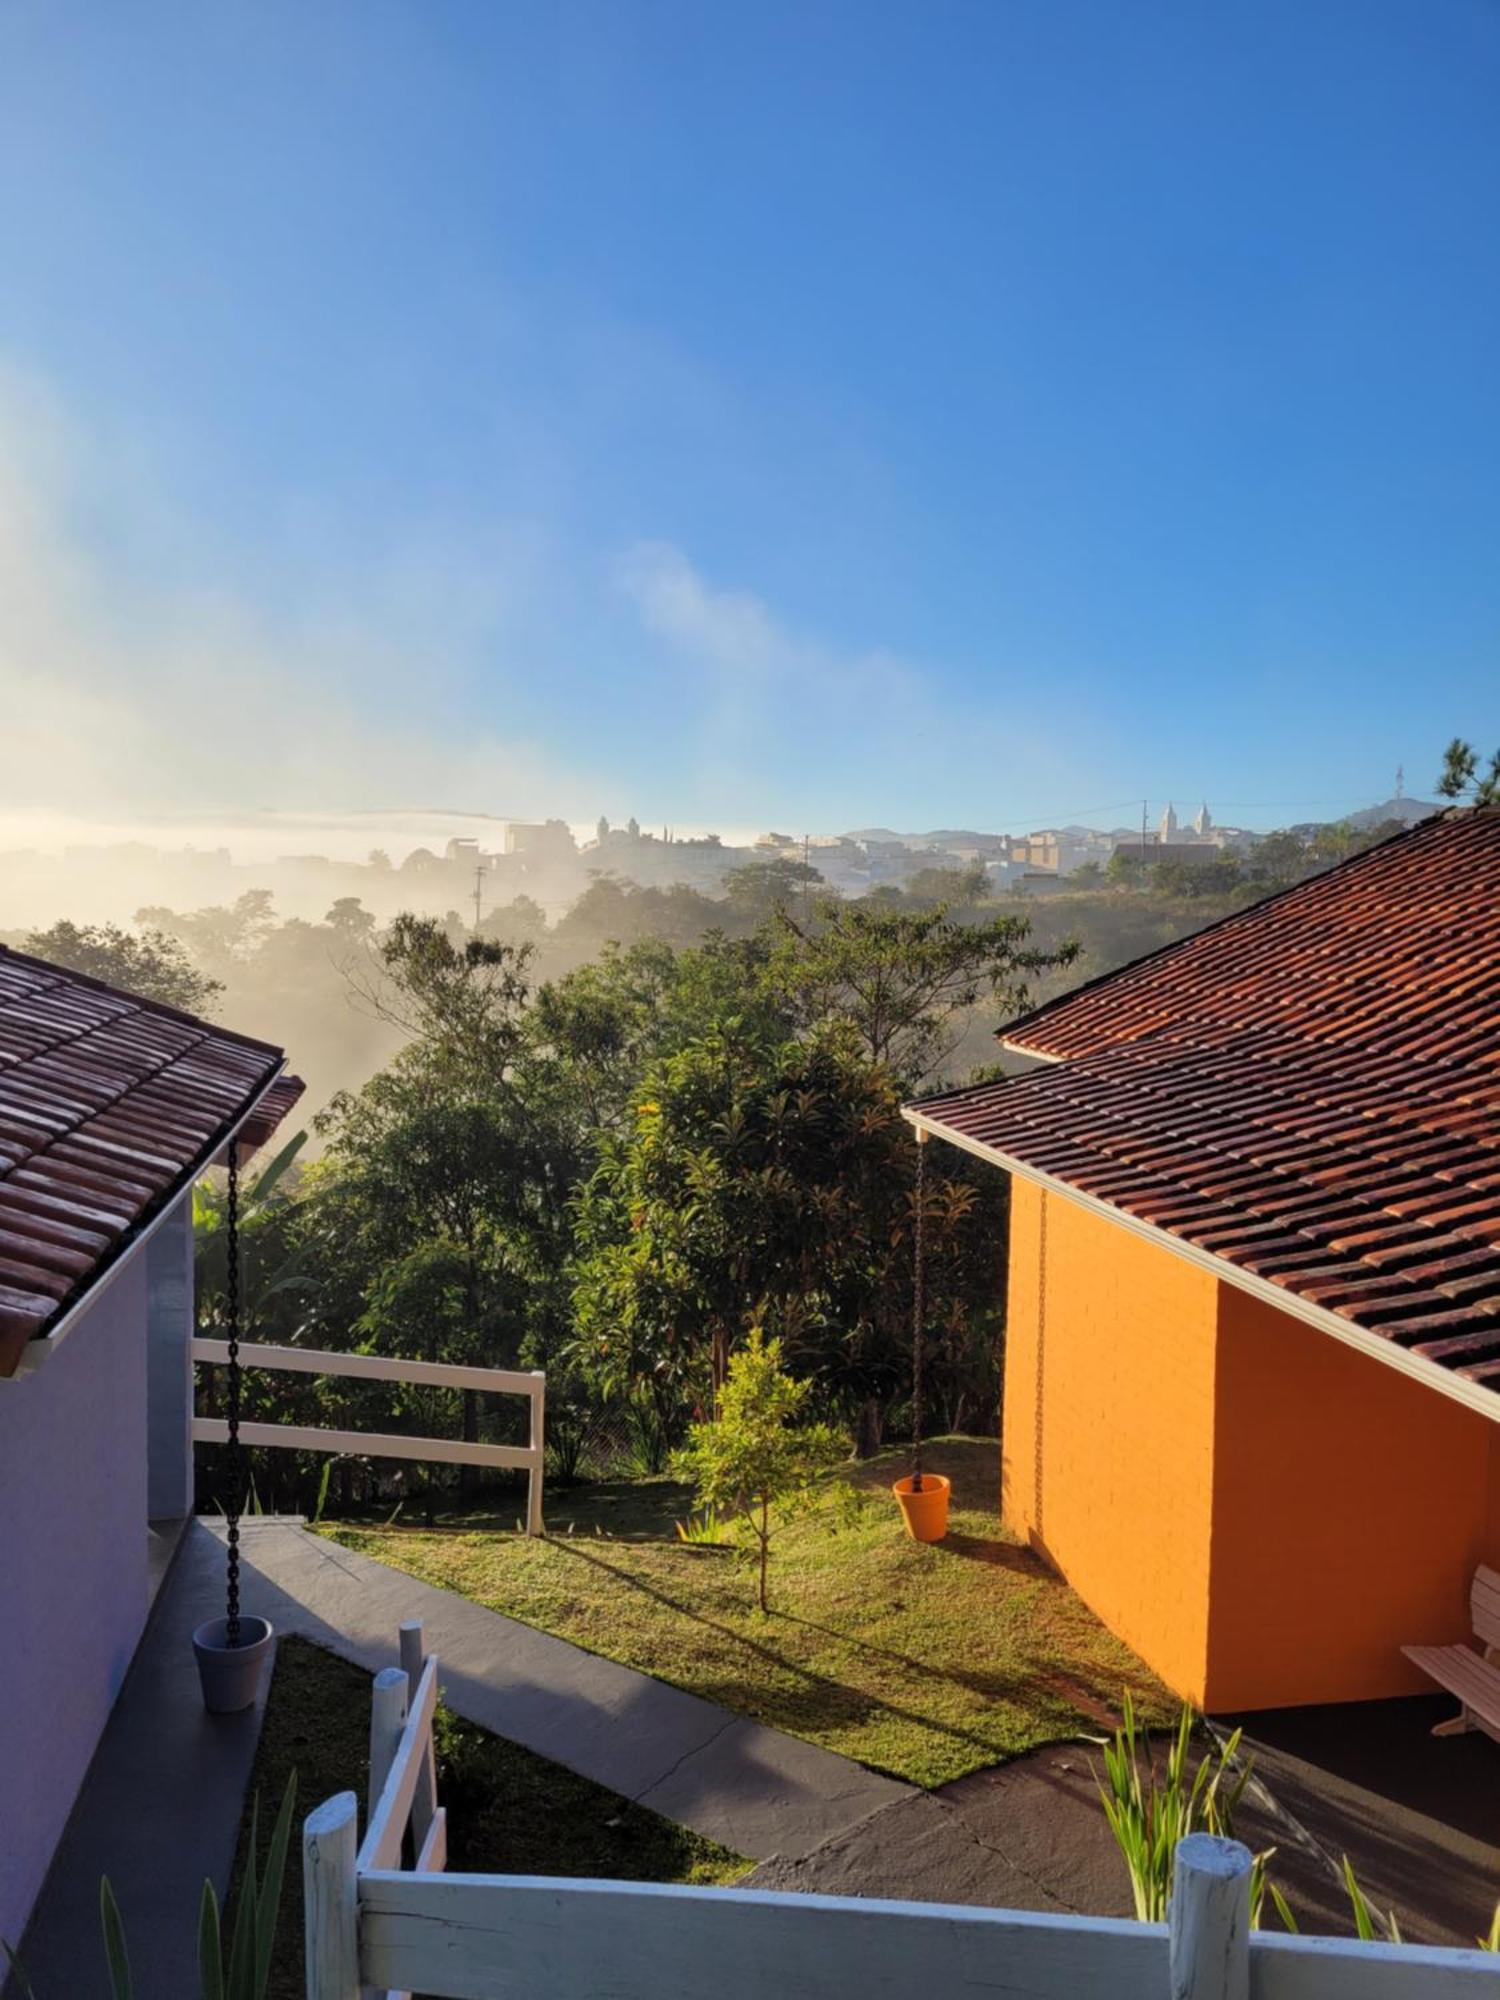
(478, 894)
(1400, 781)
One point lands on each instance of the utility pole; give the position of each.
(806, 846)
(478, 894)
(1144, 804)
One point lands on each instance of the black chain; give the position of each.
(236, 1454)
(918, 1315)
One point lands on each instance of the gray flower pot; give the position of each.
(232, 1676)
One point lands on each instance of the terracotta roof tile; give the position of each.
(109, 1104)
(1308, 1090)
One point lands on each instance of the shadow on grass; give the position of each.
(624, 1510)
(820, 1701)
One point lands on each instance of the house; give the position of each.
(1252, 1369)
(110, 1108)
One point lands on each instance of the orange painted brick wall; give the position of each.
(1264, 1514)
(1351, 1505)
(1109, 1424)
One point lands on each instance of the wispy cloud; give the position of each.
(780, 713)
(735, 633)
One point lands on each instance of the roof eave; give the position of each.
(1473, 1395)
(1013, 1048)
(35, 1352)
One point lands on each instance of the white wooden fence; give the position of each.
(373, 1925)
(380, 1444)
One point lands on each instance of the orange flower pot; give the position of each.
(925, 1513)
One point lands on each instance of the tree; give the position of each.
(218, 938)
(154, 965)
(425, 1192)
(461, 998)
(759, 1183)
(350, 919)
(903, 980)
(957, 888)
(759, 1455)
(1462, 778)
(759, 888)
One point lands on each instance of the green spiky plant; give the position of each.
(1149, 1815)
(257, 1907)
(707, 1529)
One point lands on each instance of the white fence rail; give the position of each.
(381, 1444)
(373, 1925)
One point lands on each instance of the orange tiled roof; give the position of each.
(109, 1104)
(1309, 1090)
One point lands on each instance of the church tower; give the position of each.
(1168, 831)
(1203, 825)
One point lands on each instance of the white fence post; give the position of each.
(330, 1892)
(424, 1800)
(388, 1701)
(538, 1446)
(1209, 1931)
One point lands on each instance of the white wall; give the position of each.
(169, 1366)
(73, 1583)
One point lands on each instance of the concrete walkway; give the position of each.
(161, 1806)
(751, 1788)
(159, 1810)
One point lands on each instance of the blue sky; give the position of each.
(809, 415)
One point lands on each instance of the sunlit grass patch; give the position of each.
(925, 1661)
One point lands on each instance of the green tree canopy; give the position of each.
(152, 964)
(905, 981)
(1463, 778)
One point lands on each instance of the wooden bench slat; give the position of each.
(1461, 1671)
(1484, 1605)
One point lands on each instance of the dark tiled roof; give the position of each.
(108, 1106)
(1398, 945)
(1309, 1090)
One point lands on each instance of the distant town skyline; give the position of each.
(351, 836)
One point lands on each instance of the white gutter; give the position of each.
(1473, 1395)
(36, 1351)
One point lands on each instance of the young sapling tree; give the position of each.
(757, 1457)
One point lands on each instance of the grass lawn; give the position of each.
(509, 1812)
(922, 1661)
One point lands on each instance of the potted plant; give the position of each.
(921, 1496)
(233, 1652)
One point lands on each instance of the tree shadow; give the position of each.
(823, 1693)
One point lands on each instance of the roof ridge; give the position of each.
(1012, 1036)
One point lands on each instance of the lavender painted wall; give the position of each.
(73, 1580)
(169, 1365)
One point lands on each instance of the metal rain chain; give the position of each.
(236, 1501)
(918, 1313)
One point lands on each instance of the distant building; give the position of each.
(1168, 831)
(1155, 851)
(1203, 823)
(544, 840)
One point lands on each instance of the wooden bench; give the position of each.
(1473, 1677)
